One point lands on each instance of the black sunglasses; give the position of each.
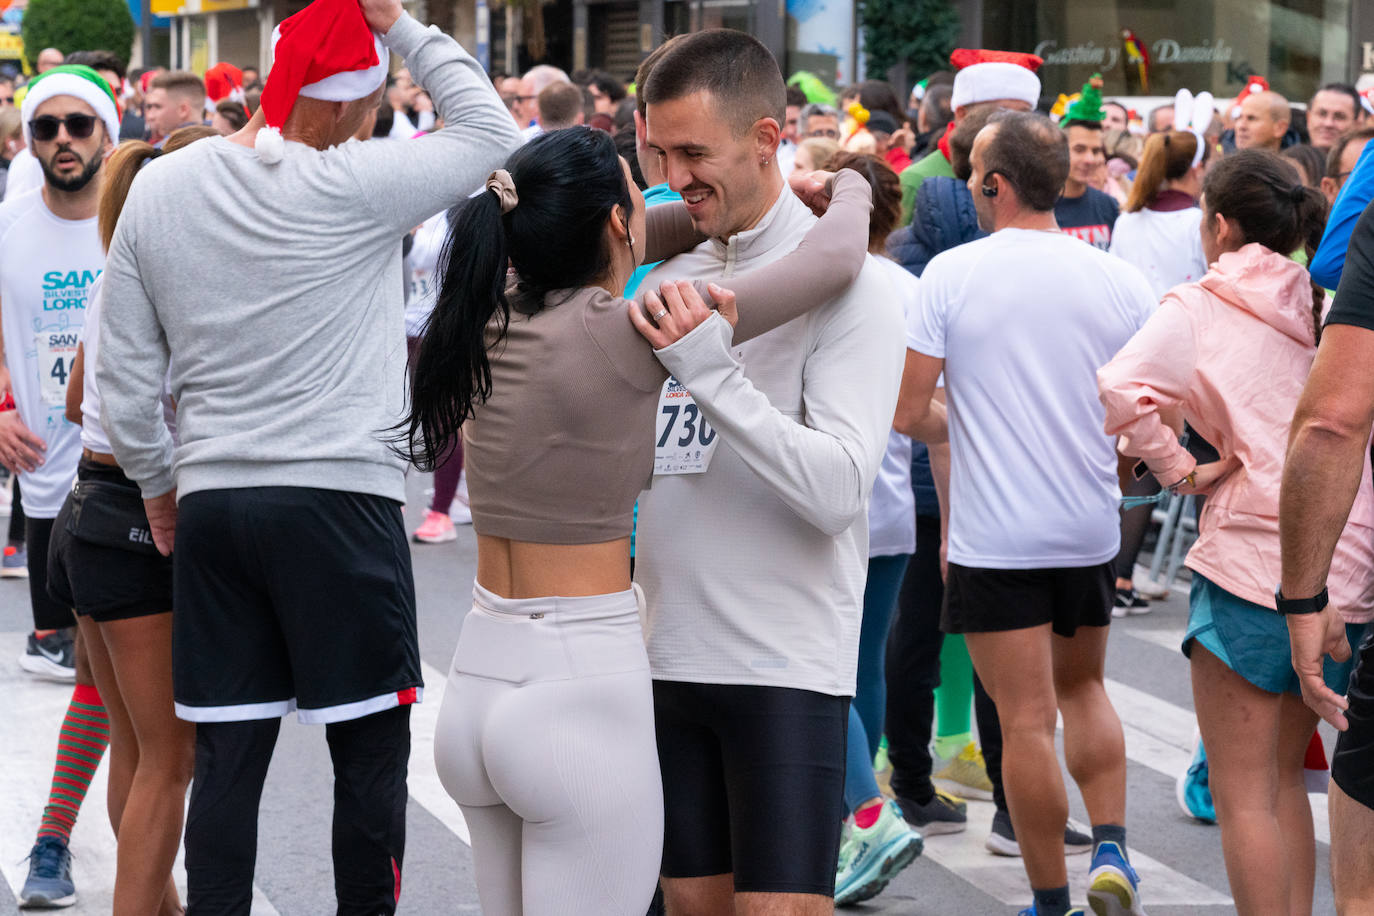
(79, 126)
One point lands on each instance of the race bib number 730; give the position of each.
(685, 442)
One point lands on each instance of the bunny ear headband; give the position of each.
(1194, 115)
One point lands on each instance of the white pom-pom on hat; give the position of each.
(270, 146)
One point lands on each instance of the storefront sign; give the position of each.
(1163, 51)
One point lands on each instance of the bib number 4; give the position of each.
(56, 354)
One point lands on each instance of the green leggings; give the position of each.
(954, 696)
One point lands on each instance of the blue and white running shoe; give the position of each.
(1194, 795)
(1113, 885)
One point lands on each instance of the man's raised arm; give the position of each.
(411, 180)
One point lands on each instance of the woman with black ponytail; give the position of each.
(546, 733)
(1230, 355)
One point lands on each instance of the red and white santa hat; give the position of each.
(986, 76)
(223, 81)
(1256, 85)
(326, 51)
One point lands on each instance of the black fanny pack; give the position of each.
(109, 515)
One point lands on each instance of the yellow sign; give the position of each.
(190, 7)
(11, 46)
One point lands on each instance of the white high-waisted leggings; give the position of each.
(546, 741)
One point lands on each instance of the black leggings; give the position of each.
(17, 515)
(370, 757)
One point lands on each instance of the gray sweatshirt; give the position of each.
(276, 292)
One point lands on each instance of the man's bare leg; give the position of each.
(1352, 867)
(1016, 668)
(1094, 748)
(713, 895)
(753, 904)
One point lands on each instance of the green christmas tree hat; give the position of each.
(1088, 106)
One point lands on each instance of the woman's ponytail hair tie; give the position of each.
(502, 185)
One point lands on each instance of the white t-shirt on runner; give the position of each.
(1165, 244)
(47, 268)
(892, 507)
(421, 264)
(1024, 319)
(25, 175)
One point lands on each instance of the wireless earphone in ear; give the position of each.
(989, 190)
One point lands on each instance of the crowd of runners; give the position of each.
(800, 437)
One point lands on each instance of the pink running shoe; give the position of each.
(437, 528)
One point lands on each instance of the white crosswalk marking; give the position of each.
(1158, 736)
(28, 735)
(1005, 878)
(423, 779)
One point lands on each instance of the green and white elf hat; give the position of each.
(75, 80)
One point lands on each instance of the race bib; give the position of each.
(56, 353)
(685, 442)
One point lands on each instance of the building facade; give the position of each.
(1141, 47)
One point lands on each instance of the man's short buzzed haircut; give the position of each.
(646, 66)
(559, 104)
(736, 69)
(183, 84)
(1031, 153)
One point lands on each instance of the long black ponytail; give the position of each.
(568, 181)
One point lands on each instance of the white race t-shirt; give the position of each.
(892, 507)
(1023, 320)
(47, 268)
(421, 264)
(1165, 244)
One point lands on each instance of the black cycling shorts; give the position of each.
(753, 784)
(292, 598)
(101, 560)
(997, 600)
(1352, 764)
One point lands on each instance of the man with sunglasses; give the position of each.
(50, 255)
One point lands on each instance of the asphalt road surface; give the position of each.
(1179, 860)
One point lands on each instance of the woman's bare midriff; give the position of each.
(520, 569)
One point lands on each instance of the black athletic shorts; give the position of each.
(292, 598)
(753, 784)
(1352, 764)
(48, 614)
(101, 559)
(996, 600)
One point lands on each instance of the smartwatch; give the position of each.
(1288, 606)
